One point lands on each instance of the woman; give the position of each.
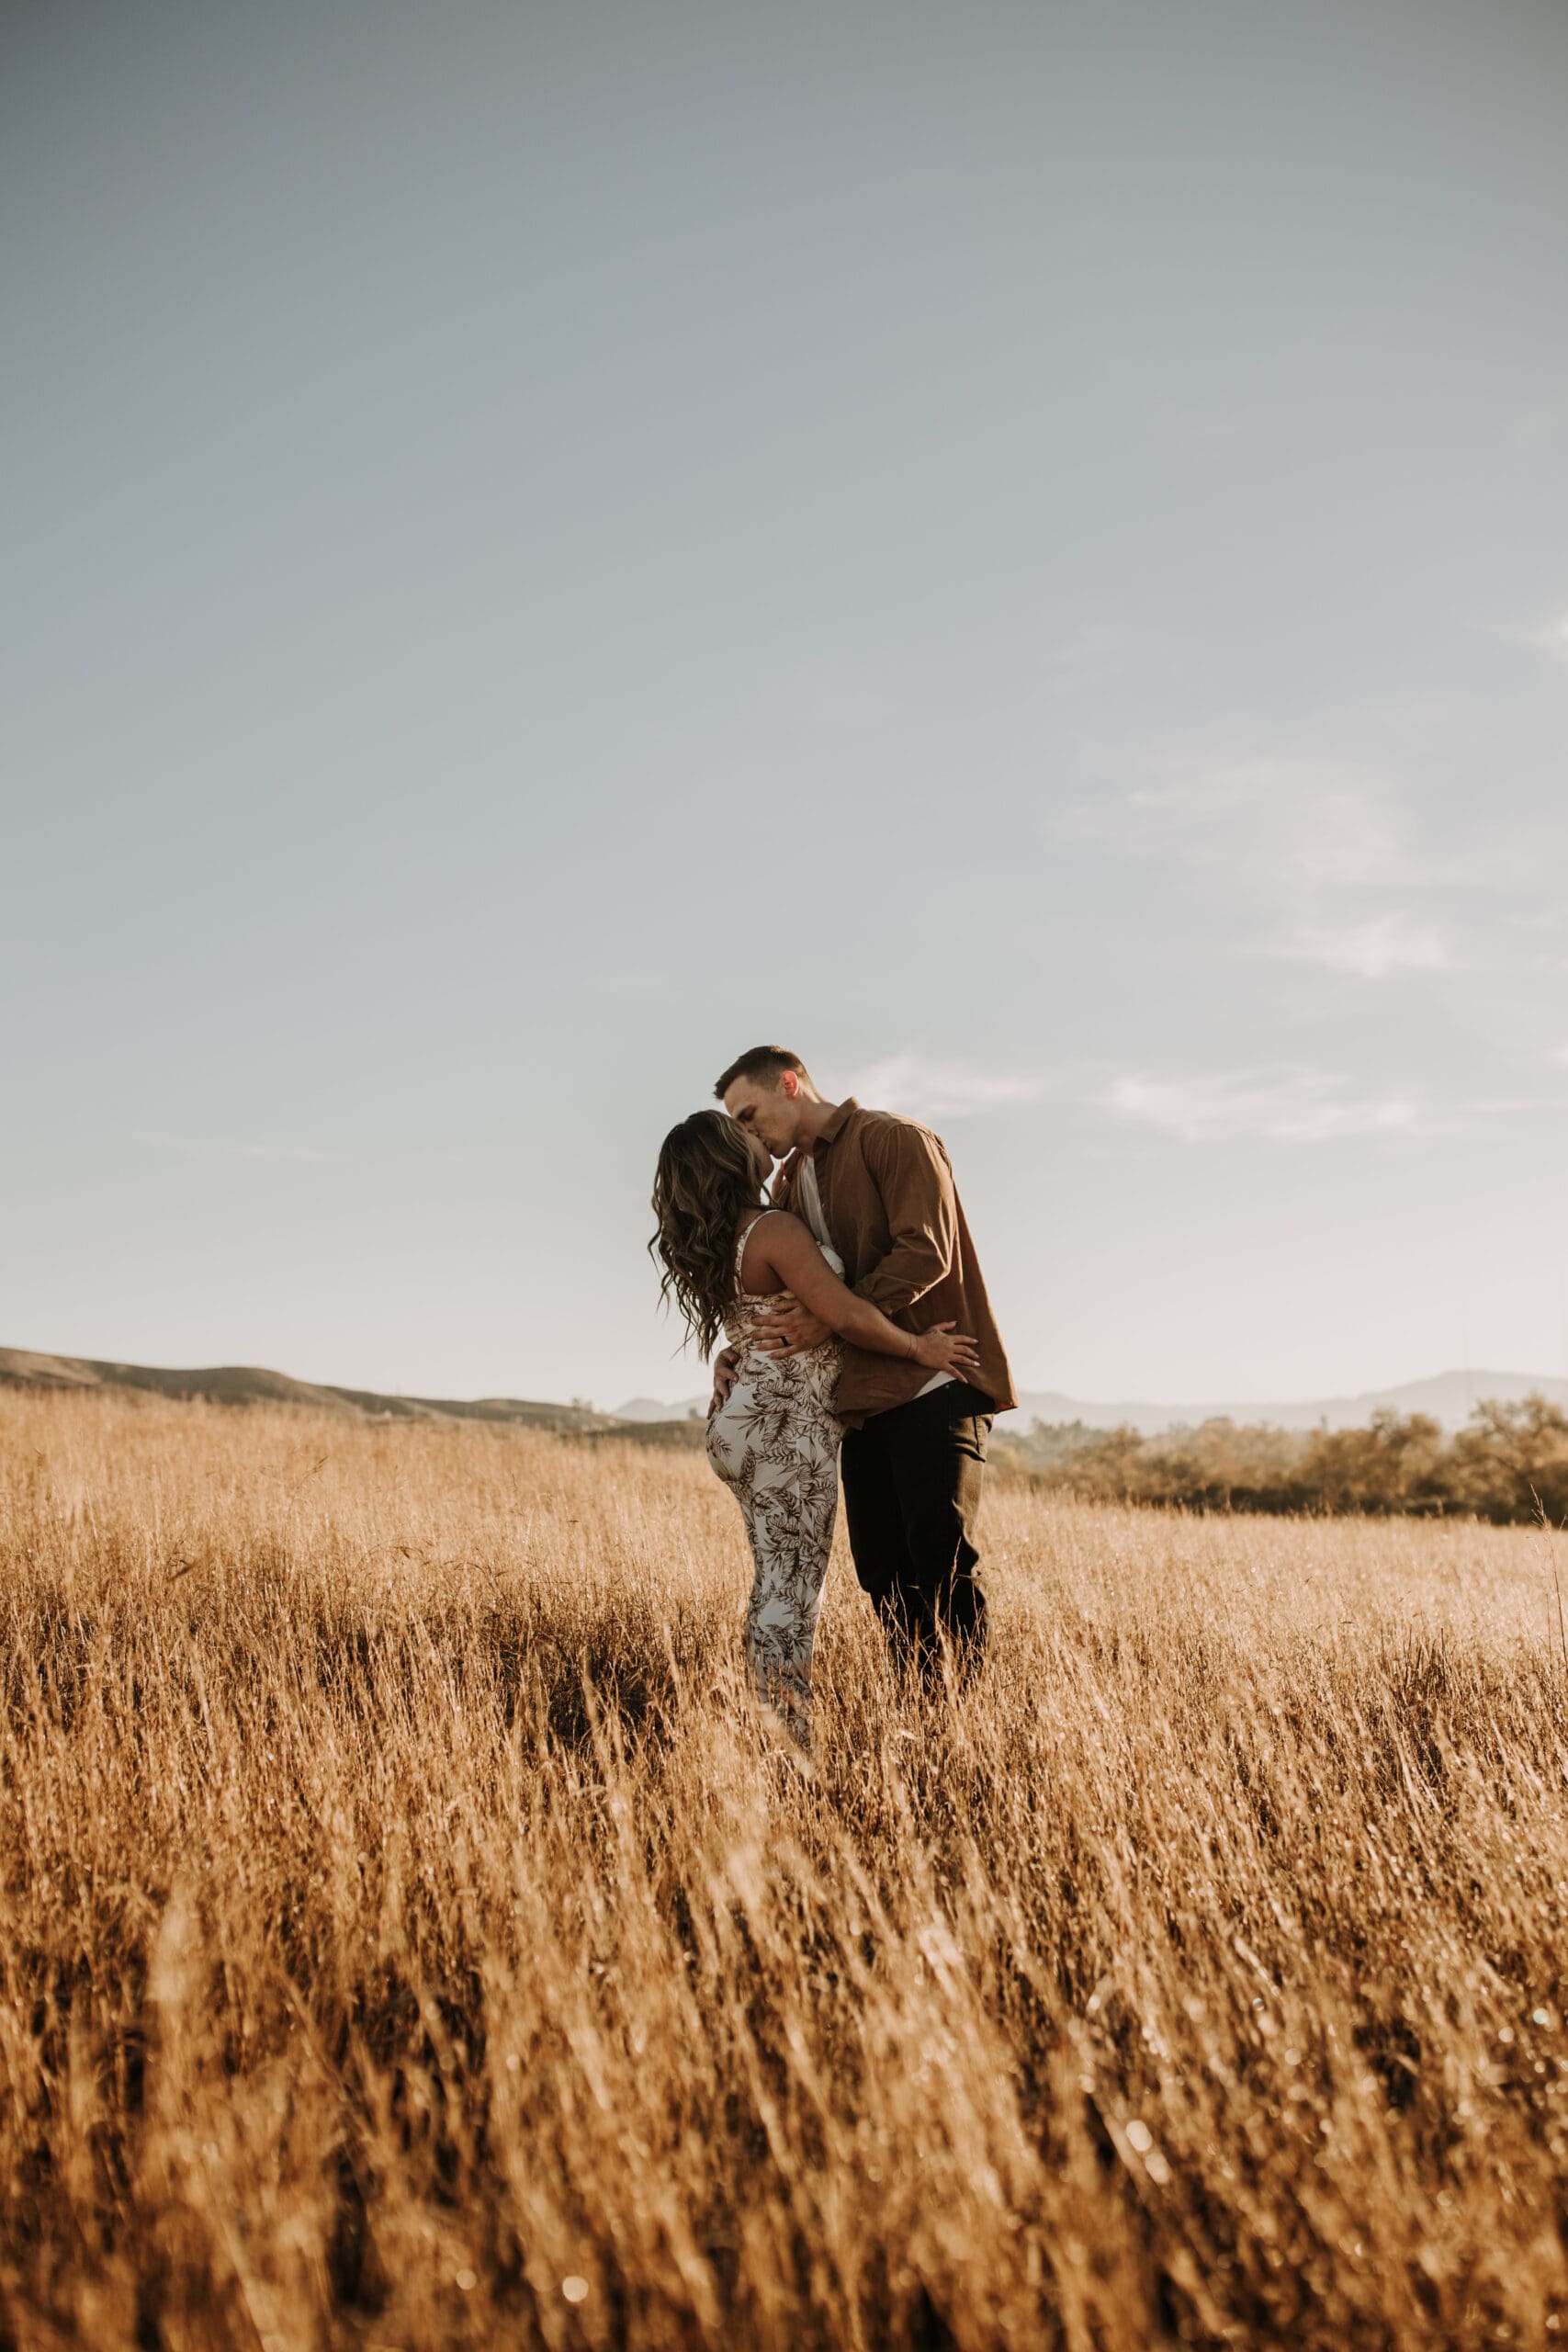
(729, 1261)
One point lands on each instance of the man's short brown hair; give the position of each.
(764, 1065)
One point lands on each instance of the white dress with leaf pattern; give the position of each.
(774, 1441)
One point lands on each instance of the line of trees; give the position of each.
(1508, 1464)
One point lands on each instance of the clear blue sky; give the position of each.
(1022, 551)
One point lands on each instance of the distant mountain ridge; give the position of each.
(1447, 1396)
(649, 1409)
(252, 1385)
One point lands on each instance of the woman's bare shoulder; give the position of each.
(783, 1241)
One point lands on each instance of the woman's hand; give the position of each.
(941, 1349)
(726, 1367)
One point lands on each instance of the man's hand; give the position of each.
(724, 1366)
(783, 1177)
(787, 1331)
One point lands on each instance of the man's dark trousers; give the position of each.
(912, 1479)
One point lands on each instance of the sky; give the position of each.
(1018, 551)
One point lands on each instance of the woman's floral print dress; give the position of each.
(775, 1441)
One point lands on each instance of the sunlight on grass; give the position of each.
(412, 1937)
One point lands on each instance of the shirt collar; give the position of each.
(836, 1124)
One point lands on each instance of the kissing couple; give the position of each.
(856, 1324)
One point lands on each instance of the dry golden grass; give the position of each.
(411, 1939)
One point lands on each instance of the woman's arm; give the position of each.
(790, 1252)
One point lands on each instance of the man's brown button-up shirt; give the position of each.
(888, 1202)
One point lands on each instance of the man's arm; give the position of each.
(915, 1178)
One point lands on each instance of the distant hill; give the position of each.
(649, 1409)
(1448, 1397)
(251, 1384)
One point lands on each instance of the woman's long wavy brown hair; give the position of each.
(707, 1181)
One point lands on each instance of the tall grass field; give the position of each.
(413, 1937)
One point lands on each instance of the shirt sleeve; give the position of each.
(915, 1178)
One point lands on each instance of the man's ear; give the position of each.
(789, 1083)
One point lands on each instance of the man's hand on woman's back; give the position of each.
(787, 1330)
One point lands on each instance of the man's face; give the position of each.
(771, 1115)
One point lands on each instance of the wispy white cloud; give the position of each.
(1549, 636)
(1535, 427)
(1372, 948)
(1301, 824)
(1088, 653)
(228, 1147)
(933, 1090)
(1276, 1103)
(1291, 1102)
(1283, 1104)
(1324, 865)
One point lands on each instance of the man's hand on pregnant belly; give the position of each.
(788, 1330)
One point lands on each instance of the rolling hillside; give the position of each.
(252, 1385)
(1447, 1396)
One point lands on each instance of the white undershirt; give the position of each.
(808, 1200)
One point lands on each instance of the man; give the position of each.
(880, 1189)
